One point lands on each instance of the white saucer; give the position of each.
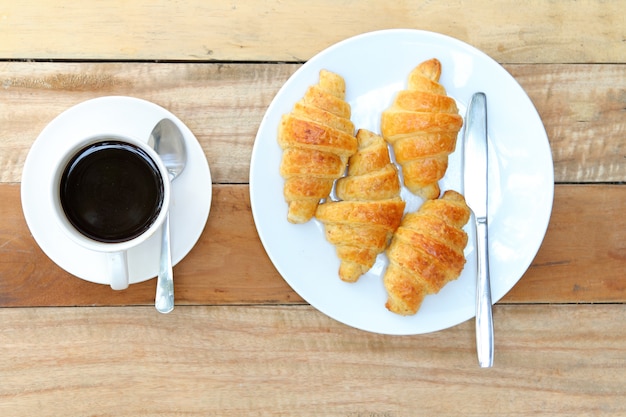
(126, 116)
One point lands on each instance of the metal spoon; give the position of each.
(168, 141)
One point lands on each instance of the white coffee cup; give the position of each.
(110, 194)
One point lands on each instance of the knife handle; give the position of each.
(484, 318)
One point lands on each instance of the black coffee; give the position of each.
(111, 191)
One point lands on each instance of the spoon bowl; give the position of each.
(169, 143)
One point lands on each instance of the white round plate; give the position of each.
(375, 66)
(125, 116)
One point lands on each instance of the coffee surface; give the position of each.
(111, 191)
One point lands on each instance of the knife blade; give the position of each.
(476, 185)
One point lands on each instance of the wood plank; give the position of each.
(510, 31)
(584, 252)
(227, 266)
(230, 266)
(582, 107)
(233, 361)
(222, 104)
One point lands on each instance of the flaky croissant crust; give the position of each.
(317, 138)
(422, 126)
(361, 225)
(426, 252)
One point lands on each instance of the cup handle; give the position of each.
(118, 270)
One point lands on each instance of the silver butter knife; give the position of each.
(476, 191)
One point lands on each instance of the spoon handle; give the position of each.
(164, 301)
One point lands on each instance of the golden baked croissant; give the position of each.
(426, 252)
(422, 126)
(362, 224)
(317, 138)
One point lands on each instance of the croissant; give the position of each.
(317, 138)
(422, 126)
(426, 252)
(362, 224)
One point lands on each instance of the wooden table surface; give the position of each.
(241, 341)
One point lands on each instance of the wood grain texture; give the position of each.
(230, 266)
(582, 107)
(510, 31)
(584, 252)
(294, 361)
(222, 104)
(227, 266)
(240, 341)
